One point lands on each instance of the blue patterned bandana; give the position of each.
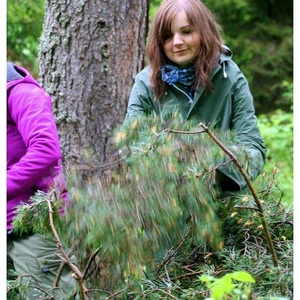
(171, 74)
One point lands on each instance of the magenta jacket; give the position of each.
(33, 149)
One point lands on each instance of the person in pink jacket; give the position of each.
(33, 149)
(33, 164)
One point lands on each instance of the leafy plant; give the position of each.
(226, 286)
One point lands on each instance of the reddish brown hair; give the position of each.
(204, 23)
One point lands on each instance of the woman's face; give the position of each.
(181, 45)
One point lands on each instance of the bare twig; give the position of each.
(60, 269)
(246, 207)
(89, 263)
(252, 190)
(65, 257)
(115, 294)
(170, 254)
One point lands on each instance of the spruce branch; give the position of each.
(169, 130)
(36, 285)
(158, 290)
(50, 297)
(252, 190)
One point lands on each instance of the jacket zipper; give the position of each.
(190, 99)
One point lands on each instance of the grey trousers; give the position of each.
(35, 264)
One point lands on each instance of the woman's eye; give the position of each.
(186, 31)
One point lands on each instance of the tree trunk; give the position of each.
(90, 52)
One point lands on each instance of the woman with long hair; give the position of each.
(191, 70)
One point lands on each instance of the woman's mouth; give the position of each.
(179, 51)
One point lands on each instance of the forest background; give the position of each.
(260, 33)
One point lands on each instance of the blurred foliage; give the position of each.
(24, 28)
(160, 222)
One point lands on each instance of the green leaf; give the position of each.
(206, 278)
(242, 276)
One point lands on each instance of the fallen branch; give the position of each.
(252, 190)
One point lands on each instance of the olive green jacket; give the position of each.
(228, 107)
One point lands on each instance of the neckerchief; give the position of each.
(171, 74)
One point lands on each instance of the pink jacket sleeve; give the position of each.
(30, 109)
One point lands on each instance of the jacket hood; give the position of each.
(226, 54)
(16, 75)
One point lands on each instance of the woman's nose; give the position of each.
(177, 39)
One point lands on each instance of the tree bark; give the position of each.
(90, 52)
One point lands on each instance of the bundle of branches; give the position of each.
(163, 192)
(163, 215)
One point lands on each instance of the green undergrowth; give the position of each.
(278, 133)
